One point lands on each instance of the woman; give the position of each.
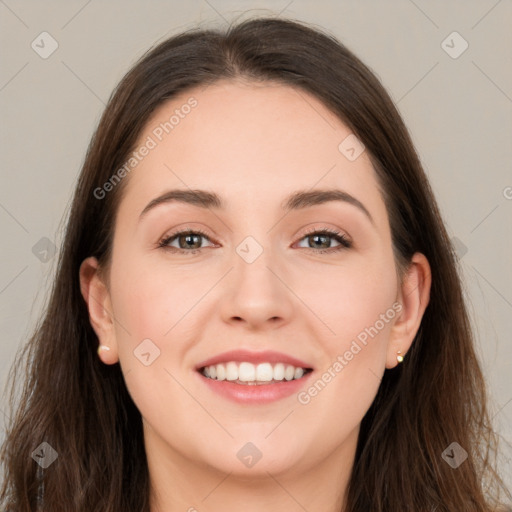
(256, 303)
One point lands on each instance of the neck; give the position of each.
(180, 484)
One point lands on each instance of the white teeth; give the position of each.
(221, 372)
(250, 373)
(246, 372)
(289, 372)
(264, 372)
(231, 371)
(279, 371)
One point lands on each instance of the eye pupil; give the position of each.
(187, 243)
(324, 237)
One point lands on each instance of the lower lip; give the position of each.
(256, 393)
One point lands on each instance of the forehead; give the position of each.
(252, 142)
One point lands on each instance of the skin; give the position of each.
(252, 144)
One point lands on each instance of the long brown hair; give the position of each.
(81, 407)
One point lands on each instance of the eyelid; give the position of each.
(344, 241)
(331, 230)
(183, 231)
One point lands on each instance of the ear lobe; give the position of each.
(97, 298)
(414, 296)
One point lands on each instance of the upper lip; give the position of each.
(241, 355)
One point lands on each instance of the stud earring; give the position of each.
(399, 356)
(102, 348)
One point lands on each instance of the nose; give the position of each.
(257, 294)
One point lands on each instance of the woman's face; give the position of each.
(252, 276)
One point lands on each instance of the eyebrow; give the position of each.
(296, 201)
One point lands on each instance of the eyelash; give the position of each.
(339, 237)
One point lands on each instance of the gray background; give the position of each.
(457, 109)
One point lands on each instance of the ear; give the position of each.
(413, 296)
(97, 298)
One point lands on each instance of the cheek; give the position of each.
(349, 298)
(149, 306)
(155, 310)
(149, 299)
(358, 308)
(346, 385)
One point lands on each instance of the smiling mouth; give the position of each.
(253, 374)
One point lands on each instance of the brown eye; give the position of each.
(322, 240)
(319, 241)
(188, 241)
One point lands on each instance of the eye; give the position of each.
(322, 238)
(188, 241)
